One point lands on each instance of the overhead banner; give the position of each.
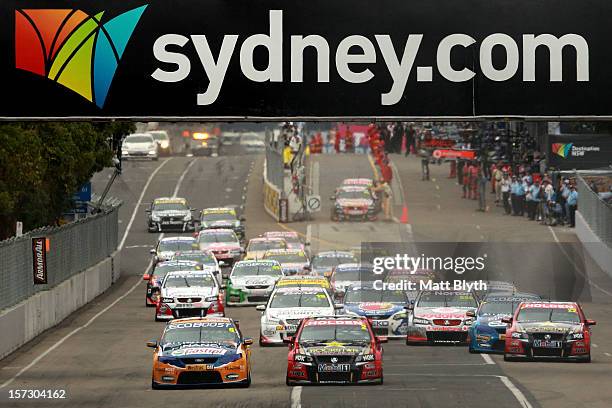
(580, 152)
(273, 59)
(39, 257)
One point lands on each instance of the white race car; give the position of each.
(167, 247)
(440, 317)
(252, 282)
(285, 309)
(194, 293)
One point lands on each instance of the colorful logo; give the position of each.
(73, 48)
(562, 149)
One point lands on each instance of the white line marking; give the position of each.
(139, 246)
(138, 203)
(120, 298)
(72, 333)
(487, 358)
(608, 354)
(309, 233)
(296, 396)
(569, 258)
(520, 397)
(594, 345)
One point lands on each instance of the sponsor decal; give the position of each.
(562, 149)
(375, 306)
(570, 307)
(39, 259)
(72, 48)
(334, 368)
(334, 323)
(188, 325)
(199, 350)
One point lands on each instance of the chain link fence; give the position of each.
(73, 248)
(595, 211)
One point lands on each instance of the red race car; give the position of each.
(553, 330)
(334, 350)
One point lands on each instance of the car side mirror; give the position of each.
(507, 320)
(409, 307)
(247, 341)
(261, 308)
(146, 276)
(288, 340)
(470, 313)
(148, 211)
(152, 343)
(590, 322)
(332, 198)
(382, 339)
(152, 251)
(338, 306)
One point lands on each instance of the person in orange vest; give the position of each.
(316, 144)
(350, 142)
(337, 141)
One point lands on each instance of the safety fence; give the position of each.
(70, 249)
(596, 213)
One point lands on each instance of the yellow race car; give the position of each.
(201, 351)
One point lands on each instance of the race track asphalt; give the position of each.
(104, 362)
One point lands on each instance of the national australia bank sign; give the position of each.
(326, 59)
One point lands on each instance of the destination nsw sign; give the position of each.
(334, 58)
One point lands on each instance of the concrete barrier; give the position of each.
(26, 320)
(599, 251)
(271, 196)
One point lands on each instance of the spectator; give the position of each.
(482, 189)
(425, 164)
(505, 185)
(497, 176)
(383, 189)
(572, 204)
(563, 196)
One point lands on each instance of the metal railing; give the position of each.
(595, 211)
(72, 249)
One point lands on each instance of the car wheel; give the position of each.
(288, 382)
(261, 343)
(587, 359)
(506, 358)
(471, 350)
(246, 383)
(154, 385)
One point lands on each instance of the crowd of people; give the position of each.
(549, 199)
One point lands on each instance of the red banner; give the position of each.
(454, 154)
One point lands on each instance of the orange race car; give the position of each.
(201, 351)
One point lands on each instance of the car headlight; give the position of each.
(152, 152)
(171, 360)
(365, 357)
(400, 316)
(155, 217)
(229, 358)
(302, 358)
(519, 335)
(418, 320)
(164, 144)
(124, 152)
(468, 322)
(167, 300)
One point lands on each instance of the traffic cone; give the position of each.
(404, 218)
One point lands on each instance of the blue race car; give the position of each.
(384, 308)
(487, 333)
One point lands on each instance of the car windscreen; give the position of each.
(187, 281)
(176, 246)
(331, 261)
(220, 216)
(288, 258)
(373, 295)
(250, 269)
(162, 270)
(446, 299)
(201, 258)
(497, 308)
(138, 139)
(159, 135)
(353, 194)
(558, 315)
(297, 299)
(200, 332)
(353, 274)
(341, 333)
(265, 245)
(169, 207)
(217, 237)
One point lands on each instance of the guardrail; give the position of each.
(72, 248)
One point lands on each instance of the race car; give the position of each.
(323, 263)
(440, 317)
(353, 203)
(286, 307)
(384, 308)
(544, 330)
(291, 238)
(292, 261)
(189, 294)
(163, 142)
(257, 247)
(204, 144)
(201, 351)
(335, 349)
(223, 243)
(167, 247)
(170, 214)
(139, 146)
(202, 258)
(348, 274)
(488, 333)
(223, 217)
(252, 282)
(158, 273)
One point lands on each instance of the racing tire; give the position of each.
(472, 351)
(506, 358)
(289, 383)
(154, 385)
(246, 383)
(587, 359)
(261, 344)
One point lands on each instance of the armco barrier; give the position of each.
(27, 319)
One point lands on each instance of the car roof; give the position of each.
(216, 231)
(221, 210)
(207, 271)
(176, 262)
(275, 234)
(258, 261)
(283, 251)
(161, 200)
(203, 319)
(300, 289)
